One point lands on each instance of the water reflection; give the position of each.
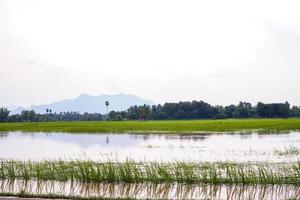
(3, 135)
(150, 191)
(101, 147)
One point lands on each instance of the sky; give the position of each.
(221, 52)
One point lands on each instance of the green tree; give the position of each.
(284, 110)
(4, 113)
(261, 109)
(28, 115)
(144, 112)
(295, 111)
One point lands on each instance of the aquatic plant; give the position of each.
(291, 150)
(154, 172)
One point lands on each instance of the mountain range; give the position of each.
(88, 103)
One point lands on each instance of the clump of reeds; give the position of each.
(154, 172)
(291, 150)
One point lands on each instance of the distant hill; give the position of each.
(89, 103)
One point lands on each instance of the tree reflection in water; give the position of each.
(150, 191)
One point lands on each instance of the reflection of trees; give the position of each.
(202, 136)
(152, 191)
(194, 137)
(3, 135)
(246, 136)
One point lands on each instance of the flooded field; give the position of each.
(284, 147)
(149, 191)
(272, 174)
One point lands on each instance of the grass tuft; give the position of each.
(154, 172)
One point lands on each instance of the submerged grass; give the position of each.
(291, 150)
(134, 172)
(171, 126)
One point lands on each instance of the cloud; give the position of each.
(272, 77)
(161, 50)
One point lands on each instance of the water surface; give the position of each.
(102, 147)
(150, 191)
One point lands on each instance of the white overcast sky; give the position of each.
(217, 51)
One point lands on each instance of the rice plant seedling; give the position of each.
(154, 172)
(291, 150)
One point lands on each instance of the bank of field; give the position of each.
(171, 126)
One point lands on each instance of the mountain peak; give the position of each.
(91, 104)
(84, 95)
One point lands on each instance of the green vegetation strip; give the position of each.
(133, 172)
(176, 126)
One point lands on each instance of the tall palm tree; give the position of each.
(107, 104)
(47, 117)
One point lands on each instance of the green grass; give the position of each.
(133, 172)
(176, 126)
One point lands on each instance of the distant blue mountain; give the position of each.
(90, 104)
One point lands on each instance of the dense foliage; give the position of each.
(181, 110)
(31, 116)
(203, 110)
(4, 113)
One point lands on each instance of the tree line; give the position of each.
(167, 111)
(203, 110)
(31, 116)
